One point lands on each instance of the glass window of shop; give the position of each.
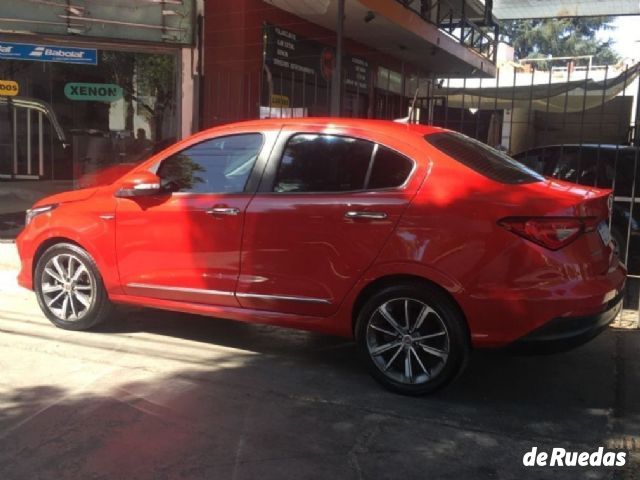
(298, 76)
(390, 101)
(67, 126)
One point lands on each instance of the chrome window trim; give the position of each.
(180, 289)
(291, 298)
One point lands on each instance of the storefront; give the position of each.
(76, 110)
(263, 61)
(298, 74)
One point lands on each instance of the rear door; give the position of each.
(327, 204)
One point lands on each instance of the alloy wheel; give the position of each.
(68, 287)
(407, 341)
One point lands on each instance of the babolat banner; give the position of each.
(48, 53)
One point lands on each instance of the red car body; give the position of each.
(295, 260)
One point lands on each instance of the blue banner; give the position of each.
(48, 53)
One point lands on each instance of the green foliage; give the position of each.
(560, 37)
(155, 74)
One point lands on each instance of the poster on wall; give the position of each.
(287, 52)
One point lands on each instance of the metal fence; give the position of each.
(578, 124)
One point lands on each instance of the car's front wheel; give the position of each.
(69, 288)
(412, 337)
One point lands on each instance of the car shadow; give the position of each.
(185, 396)
(544, 395)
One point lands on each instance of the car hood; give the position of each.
(66, 197)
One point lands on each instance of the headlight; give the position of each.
(34, 212)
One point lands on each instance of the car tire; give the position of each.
(69, 288)
(413, 338)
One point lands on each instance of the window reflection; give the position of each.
(75, 126)
(219, 165)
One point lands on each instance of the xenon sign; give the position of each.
(99, 92)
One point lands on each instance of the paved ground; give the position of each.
(164, 396)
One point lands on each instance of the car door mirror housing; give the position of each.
(139, 184)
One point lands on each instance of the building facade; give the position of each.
(278, 57)
(88, 88)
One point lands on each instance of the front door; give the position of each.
(184, 244)
(326, 207)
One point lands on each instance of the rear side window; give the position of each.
(390, 169)
(323, 163)
(483, 159)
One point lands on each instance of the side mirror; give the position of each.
(139, 184)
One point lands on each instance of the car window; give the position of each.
(566, 167)
(622, 170)
(541, 160)
(219, 165)
(533, 159)
(323, 163)
(483, 159)
(390, 169)
(587, 166)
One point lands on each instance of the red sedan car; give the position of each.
(419, 242)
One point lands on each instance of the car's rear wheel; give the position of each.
(69, 288)
(413, 338)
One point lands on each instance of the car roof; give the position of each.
(378, 126)
(589, 146)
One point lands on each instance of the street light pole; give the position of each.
(336, 81)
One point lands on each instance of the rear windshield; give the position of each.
(483, 159)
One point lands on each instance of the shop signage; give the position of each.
(158, 21)
(48, 53)
(8, 88)
(100, 92)
(357, 73)
(287, 51)
(279, 101)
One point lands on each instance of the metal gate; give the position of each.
(576, 123)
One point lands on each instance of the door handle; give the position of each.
(367, 215)
(223, 211)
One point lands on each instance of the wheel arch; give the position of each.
(384, 281)
(48, 243)
(105, 264)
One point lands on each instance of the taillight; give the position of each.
(550, 232)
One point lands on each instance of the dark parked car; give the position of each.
(604, 166)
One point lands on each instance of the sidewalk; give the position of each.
(9, 259)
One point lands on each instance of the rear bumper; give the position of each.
(565, 333)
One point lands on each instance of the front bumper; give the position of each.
(25, 278)
(565, 333)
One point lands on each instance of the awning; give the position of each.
(569, 96)
(519, 9)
